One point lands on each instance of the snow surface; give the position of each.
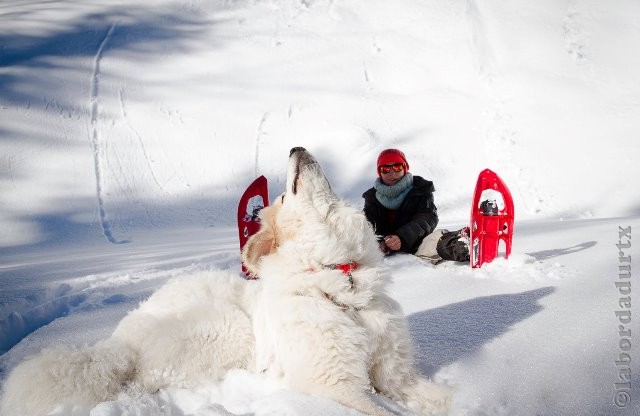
(129, 131)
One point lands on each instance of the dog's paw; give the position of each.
(430, 399)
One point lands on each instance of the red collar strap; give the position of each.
(345, 268)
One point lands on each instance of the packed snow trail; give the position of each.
(95, 136)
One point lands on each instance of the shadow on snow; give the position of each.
(446, 334)
(549, 254)
(142, 31)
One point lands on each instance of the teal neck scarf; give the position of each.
(391, 197)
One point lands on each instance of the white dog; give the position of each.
(328, 327)
(318, 319)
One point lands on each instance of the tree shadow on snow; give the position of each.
(444, 335)
(143, 31)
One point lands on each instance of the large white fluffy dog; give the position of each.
(329, 328)
(318, 319)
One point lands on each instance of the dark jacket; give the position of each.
(416, 217)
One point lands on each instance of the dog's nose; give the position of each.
(297, 149)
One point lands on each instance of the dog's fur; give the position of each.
(194, 328)
(304, 322)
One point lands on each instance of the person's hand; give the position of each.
(393, 242)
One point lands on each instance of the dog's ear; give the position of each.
(261, 243)
(258, 245)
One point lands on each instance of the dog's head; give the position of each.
(309, 225)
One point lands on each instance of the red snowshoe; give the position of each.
(492, 217)
(254, 198)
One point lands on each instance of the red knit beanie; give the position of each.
(391, 156)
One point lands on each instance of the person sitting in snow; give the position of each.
(401, 209)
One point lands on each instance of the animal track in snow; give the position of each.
(572, 31)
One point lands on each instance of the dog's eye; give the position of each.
(282, 199)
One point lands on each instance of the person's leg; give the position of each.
(428, 249)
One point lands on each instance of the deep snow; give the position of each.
(128, 133)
